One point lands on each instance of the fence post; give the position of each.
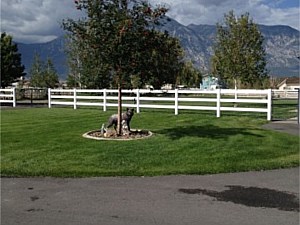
(269, 105)
(235, 90)
(104, 100)
(137, 100)
(75, 100)
(298, 108)
(49, 98)
(14, 96)
(218, 102)
(176, 101)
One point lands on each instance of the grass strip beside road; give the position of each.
(49, 142)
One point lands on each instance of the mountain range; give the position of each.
(281, 44)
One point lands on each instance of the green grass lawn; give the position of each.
(49, 142)
(284, 108)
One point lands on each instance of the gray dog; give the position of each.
(126, 116)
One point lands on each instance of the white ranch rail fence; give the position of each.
(285, 94)
(166, 99)
(8, 96)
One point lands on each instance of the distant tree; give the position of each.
(11, 67)
(43, 74)
(189, 75)
(50, 75)
(162, 59)
(72, 49)
(86, 69)
(274, 82)
(239, 56)
(36, 72)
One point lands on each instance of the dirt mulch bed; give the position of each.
(111, 135)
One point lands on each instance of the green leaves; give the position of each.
(43, 74)
(11, 67)
(239, 53)
(117, 42)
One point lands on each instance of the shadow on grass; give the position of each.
(208, 131)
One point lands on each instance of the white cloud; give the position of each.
(212, 11)
(39, 20)
(35, 20)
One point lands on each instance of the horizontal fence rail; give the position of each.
(285, 94)
(8, 96)
(216, 100)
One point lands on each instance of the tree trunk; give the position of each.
(119, 127)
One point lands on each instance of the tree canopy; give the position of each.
(11, 66)
(189, 75)
(239, 55)
(117, 45)
(43, 74)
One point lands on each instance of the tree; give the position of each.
(36, 72)
(86, 69)
(119, 43)
(50, 75)
(43, 74)
(239, 56)
(189, 75)
(72, 49)
(11, 67)
(162, 60)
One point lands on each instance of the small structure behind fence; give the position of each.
(216, 100)
(8, 96)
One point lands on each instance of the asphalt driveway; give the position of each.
(285, 126)
(268, 197)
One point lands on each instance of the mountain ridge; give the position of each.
(281, 44)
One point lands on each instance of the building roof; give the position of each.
(290, 81)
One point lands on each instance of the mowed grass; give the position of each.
(49, 142)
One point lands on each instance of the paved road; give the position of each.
(260, 198)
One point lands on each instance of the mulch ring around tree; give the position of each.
(112, 135)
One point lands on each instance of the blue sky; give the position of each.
(33, 21)
(284, 3)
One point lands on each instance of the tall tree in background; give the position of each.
(72, 49)
(119, 43)
(239, 56)
(11, 67)
(86, 68)
(162, 59)
(36, 72)
(50, 74)
(189, 76)
(43, 74)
